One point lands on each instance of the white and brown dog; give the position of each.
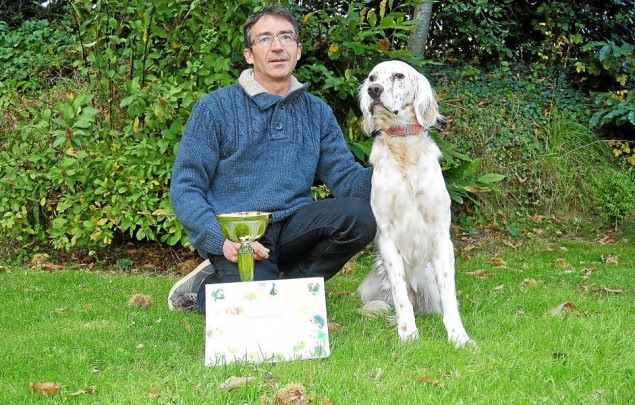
(410, 202)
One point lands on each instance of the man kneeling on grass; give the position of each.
(258, 145)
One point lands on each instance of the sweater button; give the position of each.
(279, 126)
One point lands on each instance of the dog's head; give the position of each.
(394, 94)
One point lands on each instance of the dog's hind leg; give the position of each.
(443, 265)
(406, 326)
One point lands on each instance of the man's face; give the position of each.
(273, 61)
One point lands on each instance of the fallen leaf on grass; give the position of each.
(334, 326)
(510, 244)
(341, 293)
(607, 239)
(479, 273)
(468, 248)
(536, 218)
(292, 394)
(497, 261)
(562, 308)
(38, 259)
(483, 103)
(187, 266)
(429, 381)
(140, 301)
(538, 231)
(42, 261)
(586, 273)
(611, 259)
(499, 288)
(602, 288)
(234, 382)
(186, 324)
(529, 282)
(61, 310)
(348, 268)
(88, 390)
(563, 263)
(378, 374)
(154, 393)
(45, 388)
(613, 290)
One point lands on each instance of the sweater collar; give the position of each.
(260, 95)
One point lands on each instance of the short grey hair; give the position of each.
(276, 11)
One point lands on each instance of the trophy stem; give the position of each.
(246, 262)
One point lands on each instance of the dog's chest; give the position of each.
(409, 198)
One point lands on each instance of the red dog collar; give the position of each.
(404, 130)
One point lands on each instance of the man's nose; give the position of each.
(276, 42)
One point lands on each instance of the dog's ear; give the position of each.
(426, 108)
(368, 123)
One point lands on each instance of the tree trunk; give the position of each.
(419, 36)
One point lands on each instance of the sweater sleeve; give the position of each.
(337, 167)
(194, 167)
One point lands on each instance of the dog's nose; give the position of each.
(375, 90)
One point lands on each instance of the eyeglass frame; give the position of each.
(268, 39)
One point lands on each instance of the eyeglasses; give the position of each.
(265, 40)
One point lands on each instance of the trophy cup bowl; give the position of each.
(244, 228)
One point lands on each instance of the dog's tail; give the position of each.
(422, 289)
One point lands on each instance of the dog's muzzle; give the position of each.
(375, 91)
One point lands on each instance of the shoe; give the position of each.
(186, 302)
(184, 294)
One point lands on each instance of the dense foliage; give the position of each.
(592, 43)
(94, 96)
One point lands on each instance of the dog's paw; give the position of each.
(374, 308)
(407, 333)
(461, 339)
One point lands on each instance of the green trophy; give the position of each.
(244, 228)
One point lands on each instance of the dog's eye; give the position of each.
(398, 76)
(372, 78)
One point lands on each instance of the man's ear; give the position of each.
(249, 57)
(299, 53)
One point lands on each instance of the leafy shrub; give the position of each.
(89, 161)
(614, 194)
(615, 108)
(32, 54)
(533, 130)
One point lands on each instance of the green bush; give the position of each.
(533, 131)
(614, 194)
(34, 54)
(89, 160)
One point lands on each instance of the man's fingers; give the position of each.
(260, 252)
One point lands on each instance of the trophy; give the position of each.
(244, 227)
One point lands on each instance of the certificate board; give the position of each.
(265, 321)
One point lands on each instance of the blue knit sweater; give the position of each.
(244, 149)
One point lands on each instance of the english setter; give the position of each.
(410, 202)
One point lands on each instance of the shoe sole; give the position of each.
(185, 279)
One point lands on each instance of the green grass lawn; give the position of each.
(76, 328)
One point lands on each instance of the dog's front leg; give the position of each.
(443, 264)
(406, 326)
